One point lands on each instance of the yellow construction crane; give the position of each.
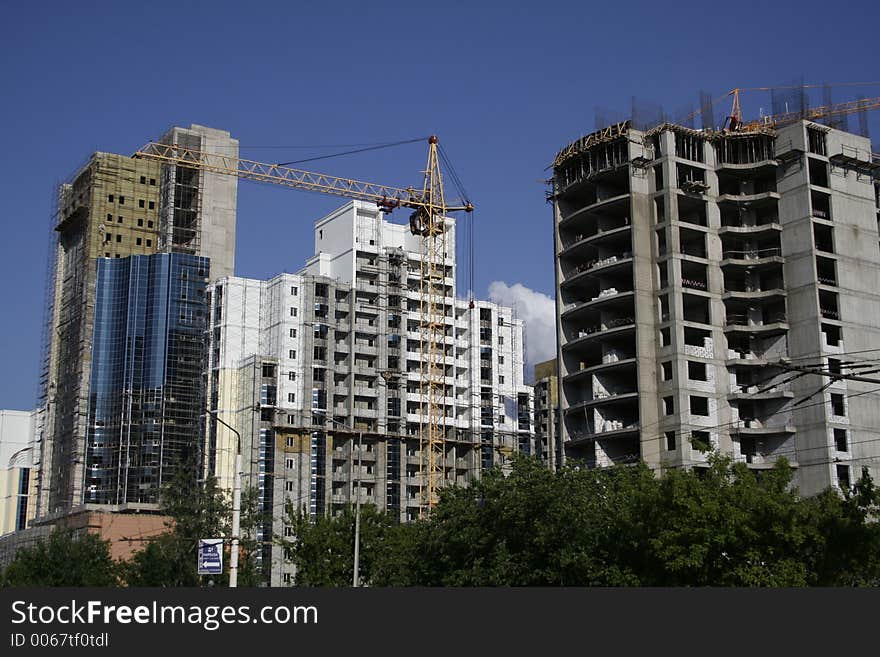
(735, 123)
(428, 220)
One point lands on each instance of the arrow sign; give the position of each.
(210, 560)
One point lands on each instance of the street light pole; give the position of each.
(236, 505)
(357, 518)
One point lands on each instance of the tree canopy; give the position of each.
(723, 525)
(198, 509)
(64, 558)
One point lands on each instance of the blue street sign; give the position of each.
(210, 556)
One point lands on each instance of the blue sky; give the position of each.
(503, 84)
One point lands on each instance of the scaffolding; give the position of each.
(107, 210)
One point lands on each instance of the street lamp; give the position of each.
(236, 504)
(357, 513)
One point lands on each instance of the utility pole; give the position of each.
(357, 518)
(236, 505)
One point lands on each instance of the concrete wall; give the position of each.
(127, 532)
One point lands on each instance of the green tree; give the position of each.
(721, 525)
(64, 559)
(322, 549)
(725, 526)
(846, 537)
(198, 509)
(531, 527)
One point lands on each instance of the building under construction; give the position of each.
(115, 207)
(548, 447)
(697, 270)
(320, 373)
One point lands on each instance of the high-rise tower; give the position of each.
(687, 262)
(115, 207)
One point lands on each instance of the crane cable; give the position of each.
(358, 150)
(468, 238)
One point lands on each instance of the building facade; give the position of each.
(147, 388)
(319, 373)
(547, 446)
(17, 433)
(115, 207)
(687, 263)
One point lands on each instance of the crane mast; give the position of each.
(428, 220)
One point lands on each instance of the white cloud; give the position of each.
(538, 312)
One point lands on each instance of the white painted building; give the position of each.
(16, 470)
(301, 362)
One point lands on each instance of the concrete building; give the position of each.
(686, 261)
(547, 446)
(319, 373)
(16, 470)
(115, 207)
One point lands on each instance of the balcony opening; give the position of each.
(823, 237)
(816, 141)
(818, 171)
(826, 271)
(745, 150)
(692, 211)
(697, 371)
(831, 334)
(660, 209)
(694, 276)
(668, 405)
(691, 179)
(695, 309)
(661, 242)
(730, 185)
(698, 342)
(843, 479)
(658, 179)
(689, 147)
(662, 274)
(663, 300)
(840, 442)
(737, 248)
(670, 440)
(828, 306)
(837, 405)
(656, 146)
(701, 441)
(665, 337)
(773, 314)
(699, 406)
(821, 204)
(692, 243)
(666, 369)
